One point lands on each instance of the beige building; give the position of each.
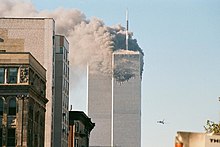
(34, 35)
(193, 139)
(22, 100)
(80, 126)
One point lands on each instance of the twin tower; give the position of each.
(114, 98)
(114, 101)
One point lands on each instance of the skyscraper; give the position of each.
(126, 99)
(114, 101)
(61, 102)
(34, 35)
(100, 106)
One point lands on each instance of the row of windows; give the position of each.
(64, 52)
(13, 75)
(65, 102)
(8, 75)
(80, 129)
(11, 107)
(77, 127)
(65, 130)
(65, 85)
(66, 69)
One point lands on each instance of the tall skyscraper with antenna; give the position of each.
(126, 39)
(126, 99)
(114, 100)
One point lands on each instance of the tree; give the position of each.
(212, 127)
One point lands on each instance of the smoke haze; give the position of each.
(90, 40)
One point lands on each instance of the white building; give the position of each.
(114, 101)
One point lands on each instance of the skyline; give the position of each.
(181, 41)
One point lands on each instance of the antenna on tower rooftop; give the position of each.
(126, 29)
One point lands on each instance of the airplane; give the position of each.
(161, 121)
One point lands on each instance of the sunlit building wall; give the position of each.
(34, 35)
(126, 99)
(196, 139)
(22, 100)
(100, 106)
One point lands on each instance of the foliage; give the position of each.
(212, 127)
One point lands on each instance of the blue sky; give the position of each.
(181, 42)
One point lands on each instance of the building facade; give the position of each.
(80, 126)
(22, 100)
(34, 35)
(61, 103)
(100, 106)
(126, 99)
(114, 101)
(196, 139)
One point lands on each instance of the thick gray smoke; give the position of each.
(126, 65)
(90, 40)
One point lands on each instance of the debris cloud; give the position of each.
(90, 39)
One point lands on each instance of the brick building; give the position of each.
(22, 100)
(80, 126)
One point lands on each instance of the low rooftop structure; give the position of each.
(80, 126)
(196, 139)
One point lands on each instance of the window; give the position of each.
(12, 75)
(2, 75)
(61, 50)
(53, 38)
(11, 137)
(12, 106)
(64, 54)
(31, 72)
(37, 117)
(77, 127)
(30, 112)
(35, 140)
(1, 107)
(30, 125)
(76, 143)
(1, 40)
(0, 136)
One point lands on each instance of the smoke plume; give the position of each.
(90, 39)
(126, 65)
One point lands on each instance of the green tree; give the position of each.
(212, 127)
